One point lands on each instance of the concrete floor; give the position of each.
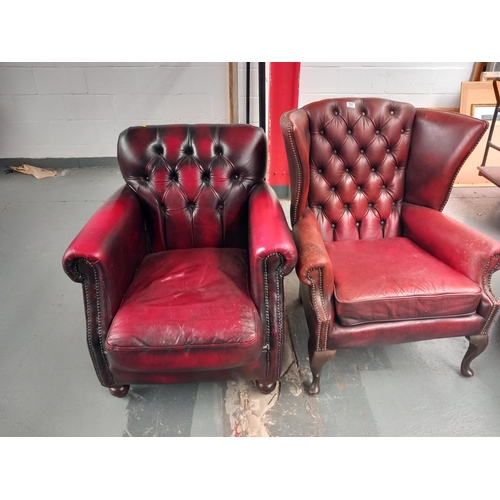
(49, 387)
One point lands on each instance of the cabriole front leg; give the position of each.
(317, 360)
(477, 344)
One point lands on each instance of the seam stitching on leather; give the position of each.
(87, 309)
(279, 280)
(322, 302)
(267, 315)
(99, 325)
(471, 150)
(89, 340)
(297, 165)
(224, 345)
(280, 302)
(487, 288)
(315, 304)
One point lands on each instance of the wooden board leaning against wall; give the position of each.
(477, 99)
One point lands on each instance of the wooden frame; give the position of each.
(478, 68)
(474, 96)
(233, 92)
(483, 111)
(476, 93)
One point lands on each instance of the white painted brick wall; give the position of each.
(78, 109)
(60, 81)
(426, 84)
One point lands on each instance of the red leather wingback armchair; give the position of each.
(379, 263)
(182, 269)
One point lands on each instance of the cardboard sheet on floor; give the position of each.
(37, 172)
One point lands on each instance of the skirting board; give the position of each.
(283, 192)
(59, 163)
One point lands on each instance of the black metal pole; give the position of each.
(262, 95)
(248, 92)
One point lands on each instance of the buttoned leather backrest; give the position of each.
(357, 160)
(193, 181)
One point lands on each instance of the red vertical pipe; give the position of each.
(283, 95)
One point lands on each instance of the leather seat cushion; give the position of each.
(394, 279)
(187, 310)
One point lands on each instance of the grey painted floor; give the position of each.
(49, 387)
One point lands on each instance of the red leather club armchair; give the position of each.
(379, 263)
(182, 268)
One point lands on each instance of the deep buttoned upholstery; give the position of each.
(194, 182)
(357, 168)
(182, 269)
(378, 261)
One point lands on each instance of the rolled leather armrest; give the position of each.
(109, 249)
(463, 248)
(104, 257)
(312, 251)
(272, 255)
(268, 232)
(315, 269)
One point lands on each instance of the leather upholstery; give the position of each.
(447, 241)
(272, 255)
(104, 257)
(441, 142)
(194, 182)
(404, 283)
(378, 262)
(182, 269)
(398, 332)
(168, 320)
(315, 270)
(357, 164)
